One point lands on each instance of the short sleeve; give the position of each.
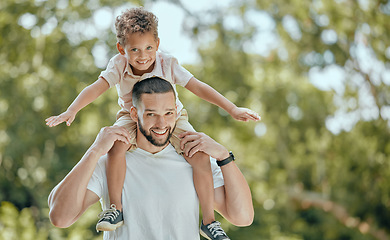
(217, 173)
(114, 70)
(96, 183)
(180, 75)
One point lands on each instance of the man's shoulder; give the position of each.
(102, 162)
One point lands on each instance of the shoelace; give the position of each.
(111, 213)
(216, 230)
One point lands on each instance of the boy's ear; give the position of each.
(134, 114)
(120, 48)
(158, 42)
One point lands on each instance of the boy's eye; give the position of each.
(134, 50)
(149, 48)
(150, 114)
(169, 113)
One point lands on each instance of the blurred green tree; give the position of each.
(316, 71)
(46, 54)
(321, 82)
(15, 224)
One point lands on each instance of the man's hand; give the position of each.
(193, 142)
(107, 136)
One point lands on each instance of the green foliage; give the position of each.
(336, 181)
(15, 224)
(318, 161)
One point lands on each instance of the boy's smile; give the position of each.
(140, 51)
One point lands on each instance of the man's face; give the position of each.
(157, 118)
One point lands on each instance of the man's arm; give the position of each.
(234, 199)
(70, 198)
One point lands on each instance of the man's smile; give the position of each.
(159, 132)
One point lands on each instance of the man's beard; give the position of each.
(150, 138)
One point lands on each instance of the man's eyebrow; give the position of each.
(153, 110)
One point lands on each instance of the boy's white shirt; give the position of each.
(159, 198)
(118, 73)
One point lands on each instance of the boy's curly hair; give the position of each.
(135, 20)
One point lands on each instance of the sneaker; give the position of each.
(110, 219)
(213, 231)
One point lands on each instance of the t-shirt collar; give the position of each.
(164, 151)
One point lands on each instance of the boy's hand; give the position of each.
(67, 116)
(245, 114)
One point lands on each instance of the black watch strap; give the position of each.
(226, 160)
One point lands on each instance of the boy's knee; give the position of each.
(199, 159)
(119, 148)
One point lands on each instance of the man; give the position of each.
(159, 199)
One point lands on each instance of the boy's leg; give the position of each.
(112, 218)
(116, 172)
(203, 182)
(116, 164)
(201, 167)
(204, 186)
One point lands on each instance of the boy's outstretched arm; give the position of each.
(209, 94)
(88, 95)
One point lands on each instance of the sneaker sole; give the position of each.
(104, 226)
(204, 235)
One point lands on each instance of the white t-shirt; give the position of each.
(159, 197)
(119, 73)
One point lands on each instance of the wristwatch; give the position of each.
(226, 160)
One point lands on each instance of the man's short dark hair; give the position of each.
(149, 86)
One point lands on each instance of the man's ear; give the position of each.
(120, 48)
(134, 114)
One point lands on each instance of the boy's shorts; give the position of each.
(182, 125)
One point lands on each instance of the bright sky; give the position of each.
(172, 37)
(178, 43)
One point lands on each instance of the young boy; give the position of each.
(139, 59)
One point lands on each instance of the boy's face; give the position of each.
(140, 51)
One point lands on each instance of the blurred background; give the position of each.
(318, 72)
